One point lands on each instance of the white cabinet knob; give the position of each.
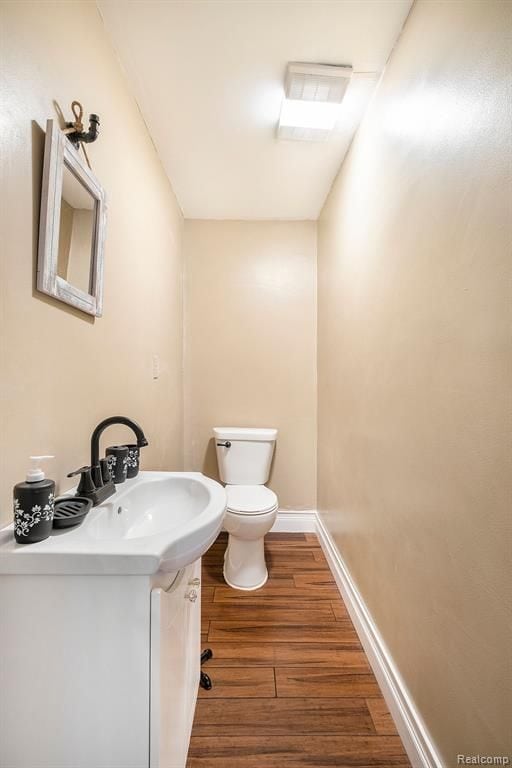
(194, 582)
(191, 595)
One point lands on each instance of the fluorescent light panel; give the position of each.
(313, 95)
(309, 114)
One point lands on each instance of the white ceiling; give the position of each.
(208, 76)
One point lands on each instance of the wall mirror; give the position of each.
(72, 227)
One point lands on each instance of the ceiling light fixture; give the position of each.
(313, 95)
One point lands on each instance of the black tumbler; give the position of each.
(117, 457)
(133, 459)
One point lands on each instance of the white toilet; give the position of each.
(244, 456)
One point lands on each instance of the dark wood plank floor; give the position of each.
(292, 687)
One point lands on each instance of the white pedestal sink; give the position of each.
(159, 521)
(100, 629)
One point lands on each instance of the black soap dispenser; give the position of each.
(33, 505)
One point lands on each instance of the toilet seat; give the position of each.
(250, 499)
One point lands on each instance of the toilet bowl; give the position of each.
(251, 513)
(244, 456)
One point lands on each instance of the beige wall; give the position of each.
(250, 344)
(415, 368)
(60, 371)
(414, 372)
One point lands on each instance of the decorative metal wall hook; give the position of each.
(75, 131)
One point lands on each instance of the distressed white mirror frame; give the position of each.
(59, 152)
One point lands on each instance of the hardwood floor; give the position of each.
(292, 687)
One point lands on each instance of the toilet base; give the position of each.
(245, 589)
(244, 560)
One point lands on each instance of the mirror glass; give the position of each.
(76, 232)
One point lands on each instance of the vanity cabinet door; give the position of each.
(193, 644)
(175, 648)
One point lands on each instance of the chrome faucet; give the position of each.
(95, 480)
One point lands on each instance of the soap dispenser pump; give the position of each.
(33, 504)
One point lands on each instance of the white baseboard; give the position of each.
(415, 737)
(291, 521)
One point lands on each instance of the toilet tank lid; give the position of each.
(245, 433)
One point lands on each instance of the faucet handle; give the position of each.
(105, 471)
(97, 476)
(86, 485)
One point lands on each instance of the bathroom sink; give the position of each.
(158, 521)
(150, 508)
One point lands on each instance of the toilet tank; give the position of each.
(247, 458)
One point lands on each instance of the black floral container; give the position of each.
(133, 460)
(117, 458)
(33, 511)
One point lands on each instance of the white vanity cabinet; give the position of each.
(98, 671)
(175, 667)
(100, 629)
